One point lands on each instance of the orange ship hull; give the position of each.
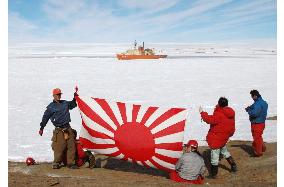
(132, 57)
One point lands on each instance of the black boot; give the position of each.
(91, 159)
(214, 172)
(55, 166)
(72, 166)
(232, 163)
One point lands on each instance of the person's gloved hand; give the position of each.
(40, 132)
(75, 94)
(247, 108)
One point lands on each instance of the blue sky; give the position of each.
(147, 20)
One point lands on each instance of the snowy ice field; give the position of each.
(192, 75)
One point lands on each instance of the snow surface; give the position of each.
(192, 75)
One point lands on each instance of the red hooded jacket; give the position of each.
(81, 155)
(222, 126)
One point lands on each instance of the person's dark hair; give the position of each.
(255, 93)
(223, 102)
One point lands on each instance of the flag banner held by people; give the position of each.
(146, 135)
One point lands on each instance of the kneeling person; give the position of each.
(81, 156)
(190, 168)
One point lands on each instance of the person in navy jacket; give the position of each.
(257, 115)
(63, 137)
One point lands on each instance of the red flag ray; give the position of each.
(105, 106)
(125, 158)
(93, 115)
(95, 133)
(178, 127)
(122, 109)
(171, 112)
(147, 115)
(135, 111)
(91, 145)
(115, 154)
(144, 163)
(149, 164)
(170, 146)
(157, 165)
(166, 158)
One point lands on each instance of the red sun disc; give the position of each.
(135, 141)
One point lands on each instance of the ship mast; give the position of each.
(135, 44)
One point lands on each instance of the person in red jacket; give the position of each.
(222, 127)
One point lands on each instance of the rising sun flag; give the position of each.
(146, 135)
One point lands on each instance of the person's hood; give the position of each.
(227, 111)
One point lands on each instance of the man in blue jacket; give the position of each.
(63, 139)
(257, 115)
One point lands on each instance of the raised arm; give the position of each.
(210, 119)
(72, 104)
